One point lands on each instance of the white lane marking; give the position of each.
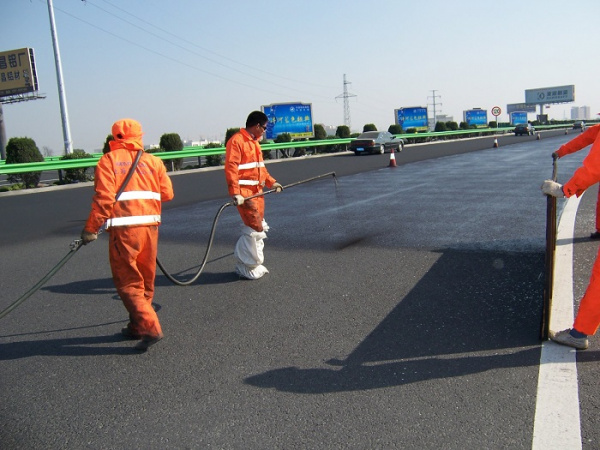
(557, 421)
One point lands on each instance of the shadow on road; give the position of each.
(77, 346)
(468, 302)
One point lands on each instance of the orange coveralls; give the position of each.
(573, 146)
(246, 175)
(132, 222)
(588, 315)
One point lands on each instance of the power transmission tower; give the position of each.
(346, 95)
(434, 104)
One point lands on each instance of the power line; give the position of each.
(202, 48)
(286, 87)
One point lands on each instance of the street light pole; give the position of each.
(61, 87)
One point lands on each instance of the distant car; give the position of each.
(376, 142)
(524, 128)
(579, 125)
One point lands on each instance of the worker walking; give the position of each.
(246, 175)
(132, 221)
(587, 320)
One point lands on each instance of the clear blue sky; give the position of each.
(198, 67)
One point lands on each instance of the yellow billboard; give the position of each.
(17, 72)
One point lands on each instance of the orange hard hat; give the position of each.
(127, 133)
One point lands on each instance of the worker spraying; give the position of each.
(246, 176)
(130, 185)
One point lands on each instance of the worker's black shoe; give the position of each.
(128, 334)
(147, 342)
(595, 235)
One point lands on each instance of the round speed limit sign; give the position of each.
(496, 111)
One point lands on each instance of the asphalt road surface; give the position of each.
(402, 310)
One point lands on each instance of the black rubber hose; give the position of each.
(208, 247)
(214, 226)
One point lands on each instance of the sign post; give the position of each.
(496, 111)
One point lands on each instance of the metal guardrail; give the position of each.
(187, 152)
(56, 163)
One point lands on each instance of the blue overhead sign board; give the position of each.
(412, 117)
(518, 117)
(476, 117)
(293, 118)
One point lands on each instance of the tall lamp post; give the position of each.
(61, 87)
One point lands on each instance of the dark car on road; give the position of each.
(376, 142)
(579, 125)
(524, 128)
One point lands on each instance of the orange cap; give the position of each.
(127, 133)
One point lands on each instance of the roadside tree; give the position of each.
(369, 127)
(106, 146)
(80, 173)
(171, 142)
(342, 131)
(395, 129)
(23, 150)
(213, 160)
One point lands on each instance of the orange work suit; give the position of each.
(588, 315)
(573, 146)
(246, 175)
(132, 221)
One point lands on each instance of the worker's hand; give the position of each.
(555, 155)
(552, 188)
(238, 200)
(278, 187)
(87, 237)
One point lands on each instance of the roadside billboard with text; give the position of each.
(476, 117)
(17, 72)
(520, 107)
(557, 94)
(412, 117)
(293, 118)
(518, 117)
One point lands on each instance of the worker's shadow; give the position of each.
(105, 286)
(472, 312)
(75, 346)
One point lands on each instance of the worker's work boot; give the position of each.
(564, 337)
(128, 333)
(147, 342)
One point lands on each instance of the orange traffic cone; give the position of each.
(495, 143)
(392, 159)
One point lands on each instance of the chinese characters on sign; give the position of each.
(292, 118)
(17, 72)
(476, 117)
(556, 94)
(412, 117)
(553, 96)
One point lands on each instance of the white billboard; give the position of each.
(556, 94)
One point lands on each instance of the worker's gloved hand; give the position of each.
(552, 188)
(555, 155)
(278, 187)
(238, 200)
(87, 237)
